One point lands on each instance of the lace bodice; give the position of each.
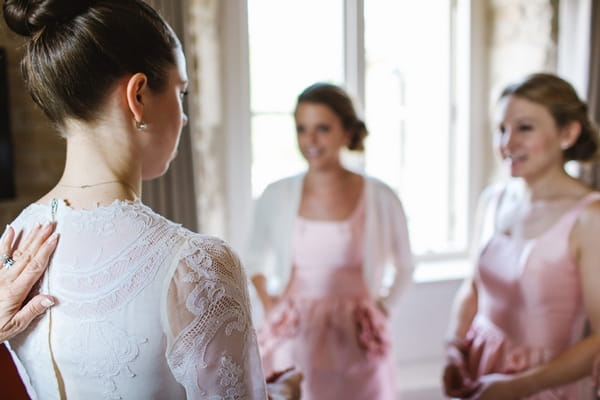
(146, 310)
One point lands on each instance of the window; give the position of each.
(409, 98)
(401, 62)
(291, 46)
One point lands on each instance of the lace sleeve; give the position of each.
(211, 343)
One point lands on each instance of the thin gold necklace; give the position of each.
(100, 183)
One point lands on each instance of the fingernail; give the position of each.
(47, 303)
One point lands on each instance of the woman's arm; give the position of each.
(464, 308)
(577, 361)
(258, 245)
(393, 228)
(260, 284)
(456, 379)
(465, 303)
(211, 343)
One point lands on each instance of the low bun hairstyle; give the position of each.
(340, 103)
(79, 49)
(565, 106)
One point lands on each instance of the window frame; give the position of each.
(471, 113)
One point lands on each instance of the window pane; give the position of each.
(292, 45)
(274, 150)
(408, 103)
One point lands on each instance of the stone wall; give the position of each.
(38, 151)
(522, 39)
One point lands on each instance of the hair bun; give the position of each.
(27, 17)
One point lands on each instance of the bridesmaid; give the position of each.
(517, 329)
(335, 236)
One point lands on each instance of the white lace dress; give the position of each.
(146, 310)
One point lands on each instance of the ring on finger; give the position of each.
(7, 261)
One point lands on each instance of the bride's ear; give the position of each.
(137, 89)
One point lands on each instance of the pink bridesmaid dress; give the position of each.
(530, 306)
(326, 323)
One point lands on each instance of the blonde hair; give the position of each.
(565, 106)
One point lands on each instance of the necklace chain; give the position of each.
(99, 184)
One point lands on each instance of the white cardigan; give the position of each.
(388, 263)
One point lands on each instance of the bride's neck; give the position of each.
(100, 167)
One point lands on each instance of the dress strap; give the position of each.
(586, 200)
(360, 205)
(495, 203)
(570, 216)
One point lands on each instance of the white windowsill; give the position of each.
(444, 270)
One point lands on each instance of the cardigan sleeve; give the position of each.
(258, 240)
(395, 227)
(268, 245)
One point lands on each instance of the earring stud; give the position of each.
(140, 126)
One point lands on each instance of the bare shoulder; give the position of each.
(590, 215)
(587, 227)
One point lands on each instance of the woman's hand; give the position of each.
(381, 306)
(496, 387)
(20, 268)
(284, 385)
(269, 302)
(456, 378)
(260, 284)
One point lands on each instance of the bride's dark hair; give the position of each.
(78, 49)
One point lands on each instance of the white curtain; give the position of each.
(574, 43)
(202, 47)
(192, 192)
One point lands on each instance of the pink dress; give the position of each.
(530, 305)
(326, 323)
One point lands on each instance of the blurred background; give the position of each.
(425, 75)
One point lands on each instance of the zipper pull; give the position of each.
(53, 208)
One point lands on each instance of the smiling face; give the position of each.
(320, 135)
(528, 138)
(166, 120)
